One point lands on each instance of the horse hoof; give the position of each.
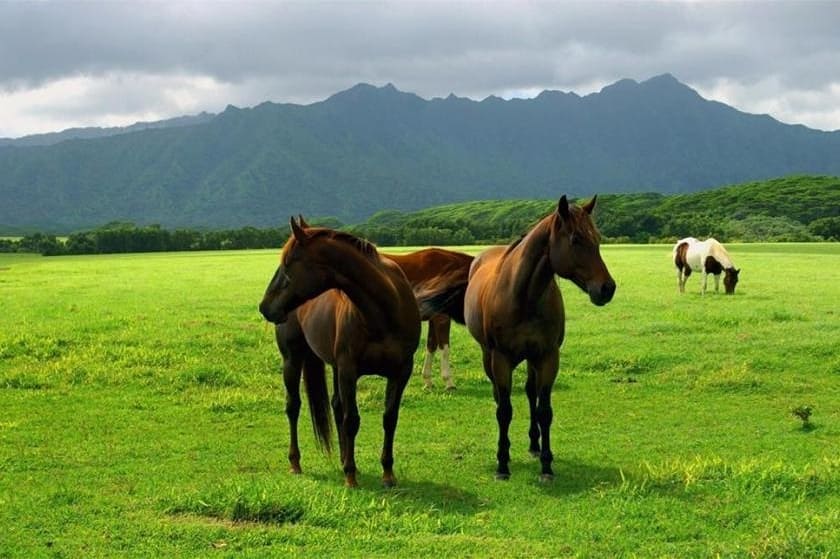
(500, 476)
(534, 453)
(294, 468)
(350, 481)
(389, 482)
(452, 388)
(546, 478)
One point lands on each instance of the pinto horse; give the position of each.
(514, 309)
(336, 300)
(708, 257)
(434, 266)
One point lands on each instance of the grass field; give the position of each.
(141, 414)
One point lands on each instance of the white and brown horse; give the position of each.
(707, 257)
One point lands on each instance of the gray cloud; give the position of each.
(304, 51)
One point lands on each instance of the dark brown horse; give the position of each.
(514, 309)
(336, 300)
(432, 266)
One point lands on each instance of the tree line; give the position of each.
(620, 229)
(128, 237)
(799, 208)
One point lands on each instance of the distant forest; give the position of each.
(796, 208)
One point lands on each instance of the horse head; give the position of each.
(300, 277)
(574, 251)
(730, 279)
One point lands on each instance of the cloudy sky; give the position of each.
(97, 63)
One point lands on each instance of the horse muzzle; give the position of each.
(601, 294)
(273, 313)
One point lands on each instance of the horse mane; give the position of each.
(717, 250)
(584, 225)
(580, 221)
(515, 243)
(366, 248)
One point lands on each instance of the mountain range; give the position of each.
(372, 148)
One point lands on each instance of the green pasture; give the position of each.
(141, 414)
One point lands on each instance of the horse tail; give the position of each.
(314, 379)
(448, 300)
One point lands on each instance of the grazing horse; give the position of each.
(336, 300)
(433, 265)
(708, 257)
(514, 309)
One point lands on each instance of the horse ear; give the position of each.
(589, 206)
(563, 207)
(298, 231)
(303, 222)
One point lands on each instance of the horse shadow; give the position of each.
(414, 495)
(572, 477)
(482, 389)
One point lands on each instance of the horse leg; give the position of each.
(717, 283)
(393, 396)
(292, 345)
(442, 328)
(431, 346)
(502, 370)
(338, 415)
(705, 279)
(445, 369)
(292, 365)
(685, 271)
(486, 361)
(546, 373)
(534, 430)
(680, 280)
(347, 379)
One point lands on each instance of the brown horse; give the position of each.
(514, 309)
(336, 300)
(434, 266)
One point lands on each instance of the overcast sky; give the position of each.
(91, 63)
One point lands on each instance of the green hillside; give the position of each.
(795, 208)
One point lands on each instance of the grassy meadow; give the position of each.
(141, 414)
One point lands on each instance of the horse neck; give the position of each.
(366, 285)
(719, 253)
(527, 266)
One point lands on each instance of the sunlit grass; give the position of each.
(141, 413)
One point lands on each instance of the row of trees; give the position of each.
(127, 237)
(130, 238)
(804, 208)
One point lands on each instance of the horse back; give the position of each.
(430, 263)
(485, 257)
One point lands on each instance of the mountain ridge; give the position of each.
(370, 148)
